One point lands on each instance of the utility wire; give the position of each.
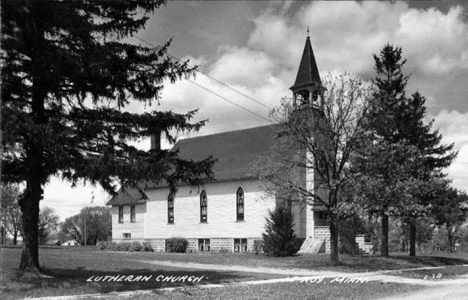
(212, 78)
(246, 109)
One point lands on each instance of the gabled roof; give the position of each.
(127, 196)
(308, 72)
(235, 151)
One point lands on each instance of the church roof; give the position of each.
(235, 151)
(127, 196)
(308, 72)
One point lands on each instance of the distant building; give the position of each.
(70, 243)
(229, 214)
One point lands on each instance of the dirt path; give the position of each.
(303, 274)
(446, 292)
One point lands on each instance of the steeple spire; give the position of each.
(308, 72)
(307, 88)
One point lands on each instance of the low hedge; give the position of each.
(125, 246)
(177, 244)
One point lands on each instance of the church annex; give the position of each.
(228, 214)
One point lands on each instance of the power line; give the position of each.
(246, 109)
(224, 98)
(212, 78)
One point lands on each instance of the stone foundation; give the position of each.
(324, 233)
(216, 245)
(362, 246)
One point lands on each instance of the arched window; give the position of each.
(240, 204)
(203, 207)
(170, 208)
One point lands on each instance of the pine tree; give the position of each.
(280, 239)
(404, 156)
(391, 84)
(68, 76)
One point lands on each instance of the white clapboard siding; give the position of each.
(222, 221)
(136, 229)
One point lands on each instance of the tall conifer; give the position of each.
(404, 156)
(68, 76)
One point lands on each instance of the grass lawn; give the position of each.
(348, 263)
(72, 268)
(294, 290)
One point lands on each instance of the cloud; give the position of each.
(344, 36)
(68, 201)
(454, 127)
(458, 171)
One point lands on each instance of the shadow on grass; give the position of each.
(81, 281)
(395, 262)
(364, 263)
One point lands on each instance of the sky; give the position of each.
(248, 53)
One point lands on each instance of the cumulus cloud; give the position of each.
(68, 201)
(344, 36)
(458, 171)
(454, 127)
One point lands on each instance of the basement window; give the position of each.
(127, 235)
(240, 245)
(204, 245)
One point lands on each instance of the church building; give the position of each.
(230, 213)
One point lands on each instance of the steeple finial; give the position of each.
(308, 32)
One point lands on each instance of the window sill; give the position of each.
(240, 221)
(170, 224)
(203, 223)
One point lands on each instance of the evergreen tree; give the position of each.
(68, 75)
(391, 84)
(400, 141)
(280, 239)
(450, 212)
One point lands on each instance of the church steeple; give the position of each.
(307, 88)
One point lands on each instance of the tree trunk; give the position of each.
(384, 246)
(29, 203)
(334, 241)
(35, 173)
(15, 238)
(450, 240)
(412, 238)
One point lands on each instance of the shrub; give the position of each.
(102, 245)
(176, 244)
(136, 246)
(147, 246)
(279, 239)
(257, 246)
(348, 229)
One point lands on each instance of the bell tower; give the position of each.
(307, 89)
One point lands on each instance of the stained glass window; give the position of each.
(170, 208)
(203, 207)
(240, 204)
